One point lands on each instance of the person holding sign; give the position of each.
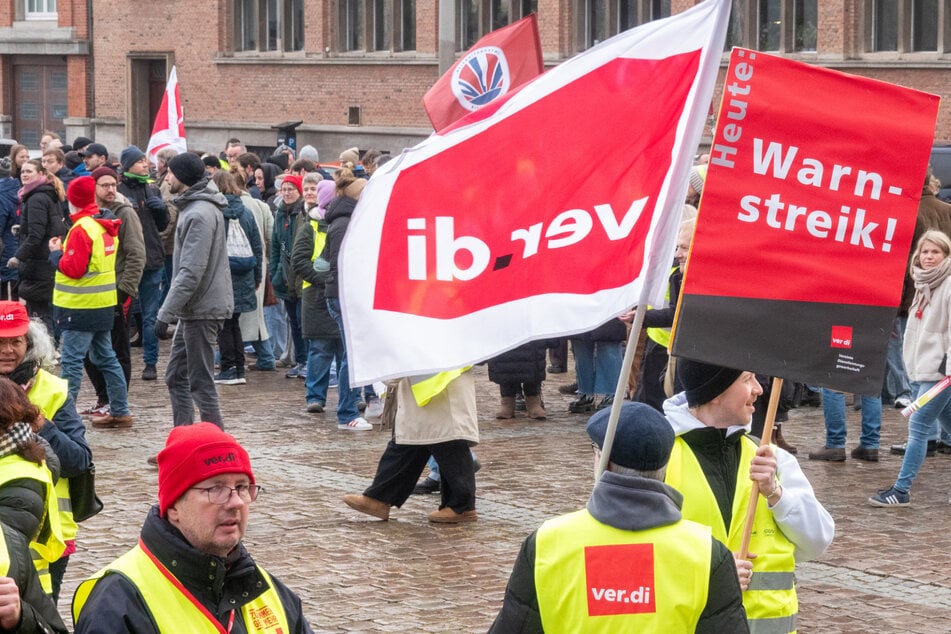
(715, 462)
(925, 352)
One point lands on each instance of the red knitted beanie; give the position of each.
(194, 453)
(82, 192)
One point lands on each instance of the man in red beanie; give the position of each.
(84, 298)
(190, 572)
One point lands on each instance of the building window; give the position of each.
(405, 38)
(269, 25)
(40, 10)
(600, 19)
(784, 26)
(376, 25)
(903, 26)
(475, 18)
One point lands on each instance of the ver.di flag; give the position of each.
(805, 224)
(545, 213)
(169, 127)
(498, 63)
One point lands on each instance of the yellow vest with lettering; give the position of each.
(771, 603)
(49, 393)
(591, 577)
(172, 610)
(662, 335)
(97, 287)
(320, 239)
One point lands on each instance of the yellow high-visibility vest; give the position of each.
(97, 287)
(425, 387)
(662, 335)
(320, 239)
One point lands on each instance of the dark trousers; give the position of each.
(120, 343)
(650, 387)
(401, 465)
(558, 356)
(42, 311)
(190, 374)
(231, 345)
(528, 389)
(8, 290)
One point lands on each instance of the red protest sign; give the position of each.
(806, 221)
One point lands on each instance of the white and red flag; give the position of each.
(498, 63)
(169, 128)
(545, 213)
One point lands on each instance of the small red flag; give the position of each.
(500, 62)
(169, 128)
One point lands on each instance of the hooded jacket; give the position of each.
(244, 278)
(8, 218)
(287, 283)
(201, 276)
(130, 259)
(41, 218)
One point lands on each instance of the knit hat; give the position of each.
(351, 155)
(14, 322)
(643, 437)
(211, 161)
(703, 382)
(82, 192)
(194, 453)
(102, 170)
(94, 148)
(294, 180)
(309, 152)
(280, 160)
(73, 159)
(80, 142)
(187, 168)
(130, 156)
(5, 167)
(698, 174)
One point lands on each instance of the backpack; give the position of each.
(240, 255)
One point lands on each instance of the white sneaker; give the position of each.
(357, 424)
(374, 408)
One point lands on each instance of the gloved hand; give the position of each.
(161, 329)
(13, 263)
(155, 203)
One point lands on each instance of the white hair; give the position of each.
(39, 346)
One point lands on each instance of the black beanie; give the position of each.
(643, 437)
(187, 168)
(704, 382)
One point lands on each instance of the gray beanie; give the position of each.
(309, 152)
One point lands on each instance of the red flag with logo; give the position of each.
(498, 63)
(805, 223)
(546, 214)
(169, 127)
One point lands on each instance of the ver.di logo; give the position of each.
(481, 77)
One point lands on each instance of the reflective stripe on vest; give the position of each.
(49, 545)
(771, 597)
(49, 393)
(97, 287)
(172, 609)
(662, 335)
(425, 387)
(320, 239)
(591, 577)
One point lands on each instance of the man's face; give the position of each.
(735, 405)
(50, 163)
(232, 154)
(140, 167)
(45, 142)
(12, 351)
(683, 245)
(212, 528)
(174, 185)
(106, 190)
(93, 161)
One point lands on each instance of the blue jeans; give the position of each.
(920, 426)
(276, 325)
(597, 365)
(76, 343)
(166, 277)
(319, 360)
(262, 350)
(293, 308)
(896, 378)
(347, 403)
(150, 299)
(833, 408)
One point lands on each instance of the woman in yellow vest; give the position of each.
(715, 465)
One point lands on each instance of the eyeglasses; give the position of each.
(220, 494)
(12, 342)
(106, 185)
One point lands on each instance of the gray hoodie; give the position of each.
(201, 277)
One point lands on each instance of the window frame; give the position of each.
(279, 40)
(44, 16)
(612, 19)
(747, 27)
(906, 37)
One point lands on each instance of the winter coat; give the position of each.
(339, 212)
(927, 341)
(40, 219)
(153, 219)
(201, 276)
(168, 234)
(8, 218)
(524, 364)
(38, 614)
(612, 330)
(252, 324)
(316, 322)
(245, 272)
(287, 221)
(130, 259)
(450, 415)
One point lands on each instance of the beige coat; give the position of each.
(252, 324)
(450, 415)
(928, 340)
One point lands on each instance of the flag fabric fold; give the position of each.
(498, 63)
(544, 214)
(169, 127)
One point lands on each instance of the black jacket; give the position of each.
(37, 612)
(154, 220)
(220, 585)
(524, 364)
(41, 218)
(628, 503)
(339, 212)
(316, 322)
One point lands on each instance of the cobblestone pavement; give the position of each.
(888, 570)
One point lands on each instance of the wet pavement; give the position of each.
(889, 570)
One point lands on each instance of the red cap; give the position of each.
(194, 453)
(82, 191)
(14, 321)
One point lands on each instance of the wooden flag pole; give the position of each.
(774, 394)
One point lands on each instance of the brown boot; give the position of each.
(535, 408)
(507, 409)
(781, 442)
(367, 505)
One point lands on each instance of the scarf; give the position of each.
(926, 280)
(145, 180)
(29, 187)
(14, 438)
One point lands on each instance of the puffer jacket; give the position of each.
(41, 218)
(339, 212)
(8, 218)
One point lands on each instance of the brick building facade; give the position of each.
(354, 71)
